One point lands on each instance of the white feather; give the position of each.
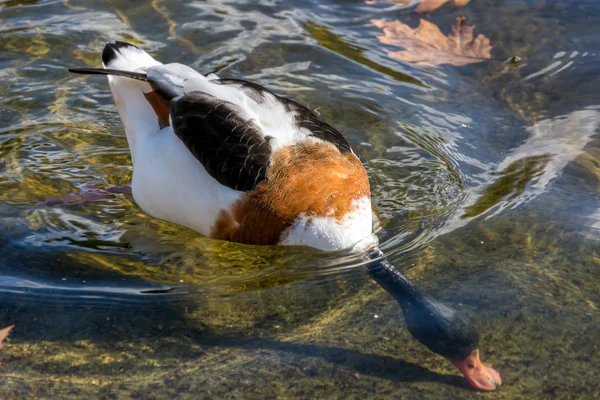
(170, 183)
(136, 113)
(329, 234)
(270, 114)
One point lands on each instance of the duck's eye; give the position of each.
(470, 366)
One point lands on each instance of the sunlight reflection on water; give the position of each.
(485, 178)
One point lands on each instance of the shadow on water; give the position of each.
(126, 325)
(125, 311)
(384, 367)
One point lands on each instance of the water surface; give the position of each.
(485, 177)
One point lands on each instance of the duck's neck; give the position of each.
(394, 282)
(429, 321)
(442, 329)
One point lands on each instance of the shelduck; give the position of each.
(232, 160)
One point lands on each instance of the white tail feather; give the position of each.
(127, 58)
(136, 113)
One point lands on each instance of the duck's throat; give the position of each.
(393, 281)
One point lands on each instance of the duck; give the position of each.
(232, 160)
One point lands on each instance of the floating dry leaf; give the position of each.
(4, 333)
(428, 6)
(427, 45)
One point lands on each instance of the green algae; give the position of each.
(510, 184)
(328, 39)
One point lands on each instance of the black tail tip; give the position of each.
(88, 71)
(140, 76)
(111, 51)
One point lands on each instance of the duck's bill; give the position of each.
(480, 376)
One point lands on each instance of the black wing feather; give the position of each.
(232, 149)
(304, 118)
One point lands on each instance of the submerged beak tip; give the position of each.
(480, 376)
(487, 386)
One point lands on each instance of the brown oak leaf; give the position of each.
(427, 45)
(3, 334)
(428, 6)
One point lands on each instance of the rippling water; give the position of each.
(485, 178)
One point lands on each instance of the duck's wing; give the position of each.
(232, 148)
(233, 127)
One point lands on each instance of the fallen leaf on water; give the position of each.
(427, 45)
(4, 333)
(428, 6)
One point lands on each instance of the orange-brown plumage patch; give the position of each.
(160, 105)
(310, 178)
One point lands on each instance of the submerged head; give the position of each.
(451, 334)
(442, 329)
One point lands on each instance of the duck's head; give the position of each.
(442, 329)
(451, 334)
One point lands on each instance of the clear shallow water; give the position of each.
(485, 178)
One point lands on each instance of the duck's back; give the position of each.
(234, 161)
